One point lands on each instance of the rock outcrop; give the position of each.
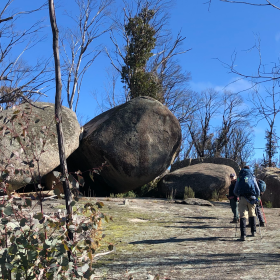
(189, 161)
(138, 140)
(29, 141)
(203, 178)
(195, 201)
(271, 176)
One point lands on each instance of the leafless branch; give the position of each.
(20, 82)
(268, 3)
(11, 17)
(91, 24)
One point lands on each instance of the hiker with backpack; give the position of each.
(262, 187)
(233, 199)
(246, 188)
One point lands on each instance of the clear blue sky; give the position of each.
(214, 33)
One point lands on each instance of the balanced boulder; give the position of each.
(28, 143)
(138, 140)
(271, 176)
(203, 178)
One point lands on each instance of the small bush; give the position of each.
(189, 193)
(268, 204)
(215, 195)
(130, 194)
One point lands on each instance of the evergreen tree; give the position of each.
(270, 147)
(141, 35)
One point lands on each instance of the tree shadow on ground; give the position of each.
(200, 227)
(204, 261)
(179, 240)
(202, 218)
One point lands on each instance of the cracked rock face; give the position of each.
(138, 140)
(29, 133)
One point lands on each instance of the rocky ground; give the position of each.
(156, 237)
(179, 241)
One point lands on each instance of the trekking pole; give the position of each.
(263, 213)
(235, 230)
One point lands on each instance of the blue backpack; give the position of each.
(262, 185)
(246, 183)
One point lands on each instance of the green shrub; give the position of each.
(268, 204)
(130, 194)
(189, 193)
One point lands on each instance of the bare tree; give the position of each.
(262, 74)
(268, 107)
(113, 97)
(240, 146)
(187, 149)
(199, 125)
(216, 141)
(58, 116)
(78, 55)
(19, 82)
(234, 115)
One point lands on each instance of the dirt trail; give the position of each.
(177, 241)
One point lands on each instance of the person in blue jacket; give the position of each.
(246, 188)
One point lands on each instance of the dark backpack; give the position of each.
(262, 185)
(246, 183)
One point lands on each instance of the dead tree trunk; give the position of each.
(58, 115)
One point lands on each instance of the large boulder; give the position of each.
(203, 178)
(189, 161)
(138, 140)
(271, 176)
(28, 143)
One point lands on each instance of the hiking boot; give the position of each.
(243, 238)
(243, 227)
(262, 224)
(253, 234)
(252, 222)
(234, 221)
